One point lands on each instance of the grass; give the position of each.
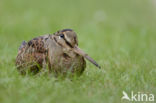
(119, 35)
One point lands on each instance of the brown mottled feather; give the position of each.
(32, 55)
(52, 50)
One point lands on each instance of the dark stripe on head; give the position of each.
(66, 30)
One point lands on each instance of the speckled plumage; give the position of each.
(59, 52)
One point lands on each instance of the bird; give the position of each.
(58, 53)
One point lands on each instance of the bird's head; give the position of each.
(67, 38)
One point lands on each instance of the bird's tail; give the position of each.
(22, 45)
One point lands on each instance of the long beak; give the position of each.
(82, 53)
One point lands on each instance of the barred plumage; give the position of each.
(58, 51)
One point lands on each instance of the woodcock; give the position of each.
(59, 52)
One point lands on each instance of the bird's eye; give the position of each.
(62, 36)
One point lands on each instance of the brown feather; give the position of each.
(57, 51)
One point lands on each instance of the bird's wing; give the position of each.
(33, 51)
(37, 45)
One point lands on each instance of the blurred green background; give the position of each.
(119, 34)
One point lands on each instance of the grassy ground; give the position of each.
(120, 35)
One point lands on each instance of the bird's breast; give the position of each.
(62, 60)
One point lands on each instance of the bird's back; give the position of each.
(32, 55)
(42, 51)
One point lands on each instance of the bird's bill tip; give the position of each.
(82, 53)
